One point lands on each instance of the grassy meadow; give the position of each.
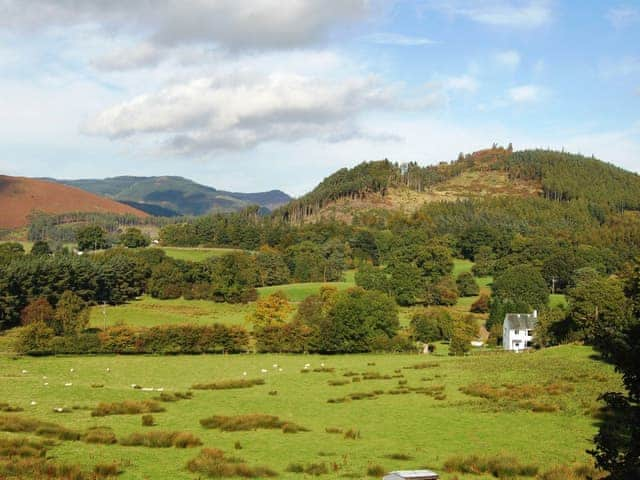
(396, 428)
(195, 254)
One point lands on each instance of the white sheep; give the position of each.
(108, 369)
(33, 402)
(58, 409)
(161, 389)
(44, 377)
(133, 385)
(147, 389)
(68, 384)
(24, 371)
(46, 384)
(322, 365)
(279, 369)
(71, 370)
(264, 370)
(275, 365)
(244, 374)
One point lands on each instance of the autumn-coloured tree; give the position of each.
(272, 310)
(72, 314)
(39, 310)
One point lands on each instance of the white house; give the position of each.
(412, 475)
(517, 330)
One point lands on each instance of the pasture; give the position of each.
(195, 254)
(405, 411)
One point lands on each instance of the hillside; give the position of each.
(494, 172)
(171, 196)
(20, 196)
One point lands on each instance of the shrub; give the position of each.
(352, 434)
(5, 407)
(316, 469)
(333, 430)
(399, 456)
(174, 396)
(229, 384)
(237, 445)
(128, 407)
(295, 468)
(481, 305)
(21, 447)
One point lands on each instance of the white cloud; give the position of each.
(256, 24)
(621, 17)
(526, 94)
(242, 110)
(498, 13)
(508, 58)
(398, 39)
(465, 83)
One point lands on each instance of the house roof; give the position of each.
(412, 474)
(520, 321)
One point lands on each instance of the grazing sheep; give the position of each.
(108, 369)
(58, 409)
(46, 384)
(244, 374)
(161, 389)
(264, 370)
(24, 371)
(71, 370)
(68, 384)
(147, 389)
(44, 377)
(134, 385)
(275, 365)
(280, 369)
(33, 402)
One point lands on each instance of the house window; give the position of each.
(516, 332)
(530, 333)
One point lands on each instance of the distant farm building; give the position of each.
(412, 475)
(518, 330)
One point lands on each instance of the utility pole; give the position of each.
(104, 314)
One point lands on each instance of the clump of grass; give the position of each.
(352, 434)
(338, 400)
(402, 382)
(148, 420)
(422, 366)
(540, 407)
(128, 407)
(213, 463)
(356, 379)
(174, 396)
(515, 392)
(250, 422)
(237, 445)
(5, 407)
(16, 424)
(97, 385)
(375, 376)
(273, 393)
(573, 472)
(21, 448)
(376, 471)
(229, 384)
(42, 468)
(499, 466)
(107, 470)
(295, 468)
(336, 383)
(399, 456)
(351, 374)
(159, 439)
(333, 430)
(324, 370)
(316, 469)
(371, 364)
(100, 435)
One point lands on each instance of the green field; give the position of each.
(149, 311)
(196, 254)
(425, 429)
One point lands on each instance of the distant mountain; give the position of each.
(20, 196)
(171, 196)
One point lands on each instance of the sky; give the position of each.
(277, 94)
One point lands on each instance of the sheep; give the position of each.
(58, 409)
(161, 389)
(134, 385)
(33, 402)
(275, 365)
(46, 384)
(71, 370)
(44, 377)
(108, 369)
(280, 369)
(147, 389)
(244, 374)
(264, 370)
(24, 371)
(68, 384)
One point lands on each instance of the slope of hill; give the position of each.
(20, 196)
(492, 172)
(171, 195)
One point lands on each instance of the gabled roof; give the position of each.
(412, 474)
(520, 321)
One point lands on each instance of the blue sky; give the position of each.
(266, 94)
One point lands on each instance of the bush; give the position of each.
(376, 471)
(16, 424)
(107, 470)
(481, 305)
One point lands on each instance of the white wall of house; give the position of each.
(517, 339)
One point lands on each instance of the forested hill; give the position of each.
(496, 171)
(171, 196)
